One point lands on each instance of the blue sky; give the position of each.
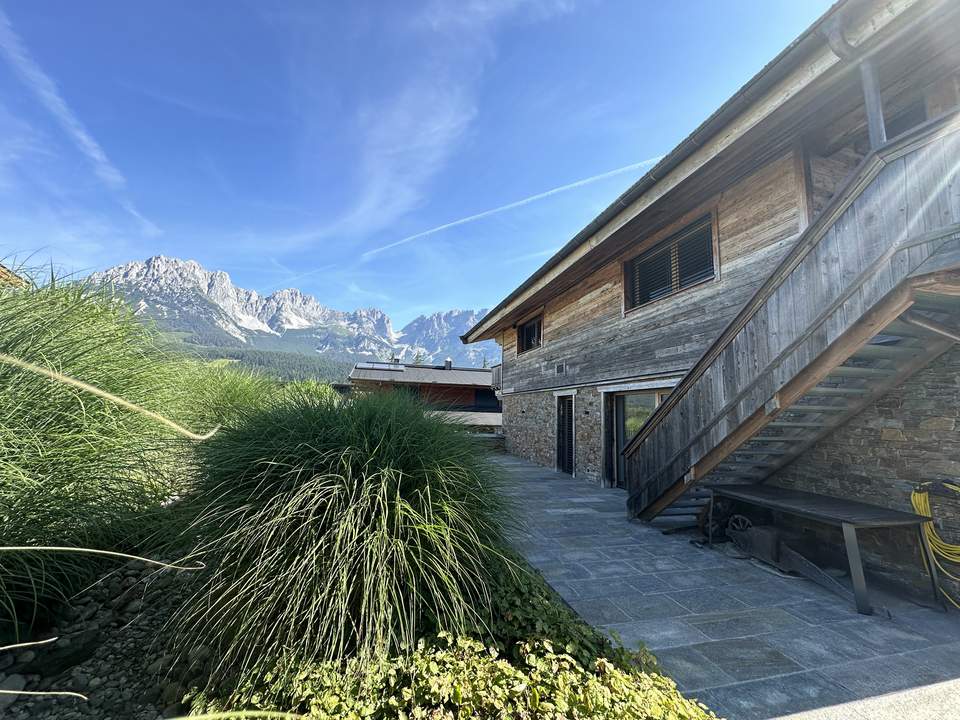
(316, 145)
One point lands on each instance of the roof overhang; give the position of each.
(805, 61)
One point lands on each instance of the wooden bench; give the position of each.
(848, 515)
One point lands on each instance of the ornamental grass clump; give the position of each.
(75, 469)
(336, 528)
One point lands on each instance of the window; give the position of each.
(528, 334)
(680, 261)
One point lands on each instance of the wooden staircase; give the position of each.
(688, 511)
(868, 296)
(867, 375)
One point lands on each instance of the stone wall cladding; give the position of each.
(530, 426)
(588, 430)
(910, 435)
(530, 429)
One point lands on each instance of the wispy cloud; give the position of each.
(47, 93)
(405, 139)
(509, 206)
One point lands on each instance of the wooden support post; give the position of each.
(874, 104)
(801, 171)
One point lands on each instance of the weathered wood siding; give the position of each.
(587, 330)
(865, 245)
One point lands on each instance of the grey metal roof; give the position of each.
(401, 373)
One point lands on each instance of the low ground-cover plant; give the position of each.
(76, 469)
(336, 528)
(458, 677)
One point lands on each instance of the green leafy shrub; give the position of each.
(461, 678)
(336, 528)
(76, 469)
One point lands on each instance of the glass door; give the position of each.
(630, 412)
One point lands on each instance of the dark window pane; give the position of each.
(528, 335)
(695, 254)
(650, 277)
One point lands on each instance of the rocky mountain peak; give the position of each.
(205, 306)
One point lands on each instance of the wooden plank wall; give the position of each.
(864, 249)
(587, 330)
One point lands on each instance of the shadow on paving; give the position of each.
(747, 641)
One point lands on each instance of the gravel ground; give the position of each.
(107, 650)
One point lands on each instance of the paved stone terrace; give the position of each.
(746, 641)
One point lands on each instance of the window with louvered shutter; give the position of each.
(528, 334)
(681, 261)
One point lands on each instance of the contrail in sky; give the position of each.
(510, 206)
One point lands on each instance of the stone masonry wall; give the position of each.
(910, 435)
(588, 429)
(530, 427)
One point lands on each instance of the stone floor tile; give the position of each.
(599, 611)
(655, 634)
(879, 675)
(610, 568)
(817, 612)
(747, 658)
(725, 626)
(776, 697)
(633, 551)
(818, 648)
(707, 600)
(688, 579)
(881, 635)
(657, 564)
(580, 555)
(602, 588)
(765, 594)
(938, 627)
(690, 669)
(648, 607)
(649, 584)
(945, 657)
(563, 571)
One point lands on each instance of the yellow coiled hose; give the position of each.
(942, 550)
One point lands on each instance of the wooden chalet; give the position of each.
(778, 300)
(463, 394)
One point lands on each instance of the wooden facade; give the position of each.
(785, 169)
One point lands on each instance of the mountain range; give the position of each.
(205, 308)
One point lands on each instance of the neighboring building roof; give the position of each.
(401, 373)
(9, 277)
(765, 82)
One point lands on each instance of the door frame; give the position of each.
(572, 394)
(660, 388)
